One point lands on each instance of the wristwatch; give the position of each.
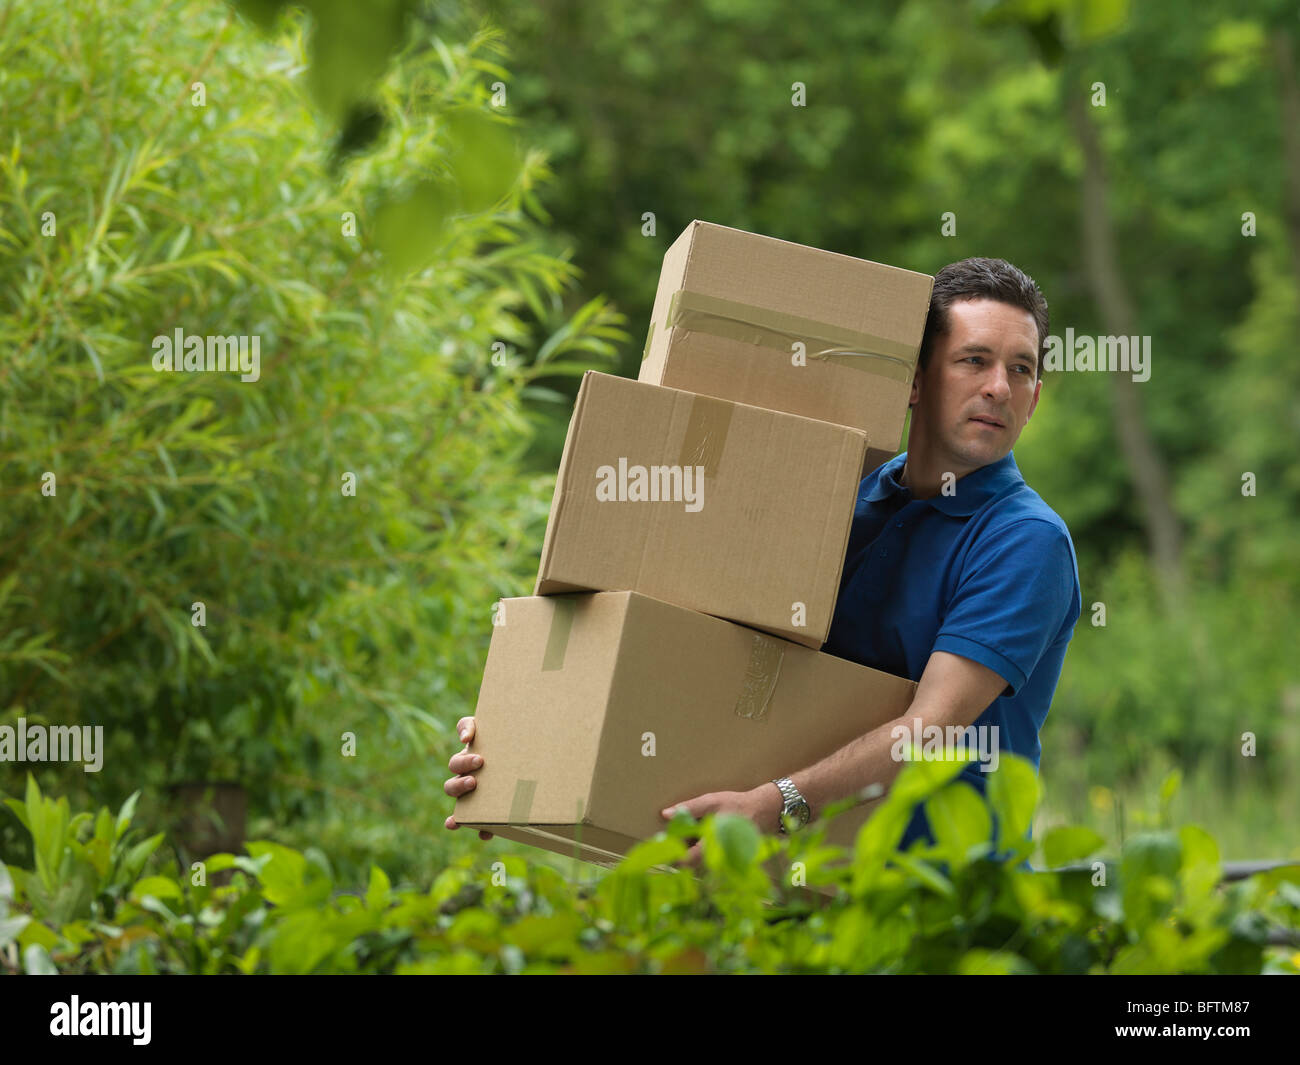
(796, 807)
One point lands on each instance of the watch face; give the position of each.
(798, 812)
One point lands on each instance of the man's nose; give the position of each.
(996, 383)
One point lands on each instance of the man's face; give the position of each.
(980, 387)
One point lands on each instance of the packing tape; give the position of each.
(766, 653)
(706, 434)
(557, 637)
(521, 804)
(698, 313)
(645, 351)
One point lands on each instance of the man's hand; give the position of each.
(762, 805)
(462, 764)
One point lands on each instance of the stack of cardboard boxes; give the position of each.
(694, 552)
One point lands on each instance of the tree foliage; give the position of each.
(131, 210)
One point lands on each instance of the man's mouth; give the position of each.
(985, 419)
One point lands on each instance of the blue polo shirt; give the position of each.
(988, 573)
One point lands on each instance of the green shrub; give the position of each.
(129, 210)
(947, 909)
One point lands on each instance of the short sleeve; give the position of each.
(1016, 591)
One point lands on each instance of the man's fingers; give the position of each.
(698, 807)
(464, 762)
(451, 823)
(458, 786)
(669, 812)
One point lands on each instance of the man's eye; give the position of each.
(973, 358)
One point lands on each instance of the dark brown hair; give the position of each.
(989, 279)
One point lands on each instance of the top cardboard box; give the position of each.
(733, 306)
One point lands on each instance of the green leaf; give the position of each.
(104, 825)
(37, 934)
(960, 821)
(135, 858)
(99, 852)
(125, 814)
(1013, 793)
(288, 880)
(379, 893)
(1200, 871)
(546, 935)
(1151, 854)
(11, 927)
(922, 777)
(483, 156)
(1070, 843)
(651, 853)
(409, 229)
(77, 933)
(262, 13)
(1148, 871)
(926, 873)
(158, 886)
(37, 961)
(302, 939)
(1169, 787)
(1098, 18)
(992, 963)
(733, 842)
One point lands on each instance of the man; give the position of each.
(957, 574)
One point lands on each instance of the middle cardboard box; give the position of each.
(723, 508)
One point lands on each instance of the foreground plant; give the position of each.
(757, 904)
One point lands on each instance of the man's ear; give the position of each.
(916, 388)
(1033, 403)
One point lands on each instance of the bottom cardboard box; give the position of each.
(598, 710)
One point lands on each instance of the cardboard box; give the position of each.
(577, 688)
(731, 306)
(755, 522)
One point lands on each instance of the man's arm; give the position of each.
(1006, 633)
(952, 691)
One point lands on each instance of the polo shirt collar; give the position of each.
(973, 491)
(887, 483)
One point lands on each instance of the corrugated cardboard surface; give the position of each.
(778, 498)
(786, 279)
(533, 662)
(728, 708)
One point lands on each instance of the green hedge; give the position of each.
(87, 906)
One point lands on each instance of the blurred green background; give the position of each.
(436, 215)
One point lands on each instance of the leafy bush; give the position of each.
(946, 909)
(137, 209)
